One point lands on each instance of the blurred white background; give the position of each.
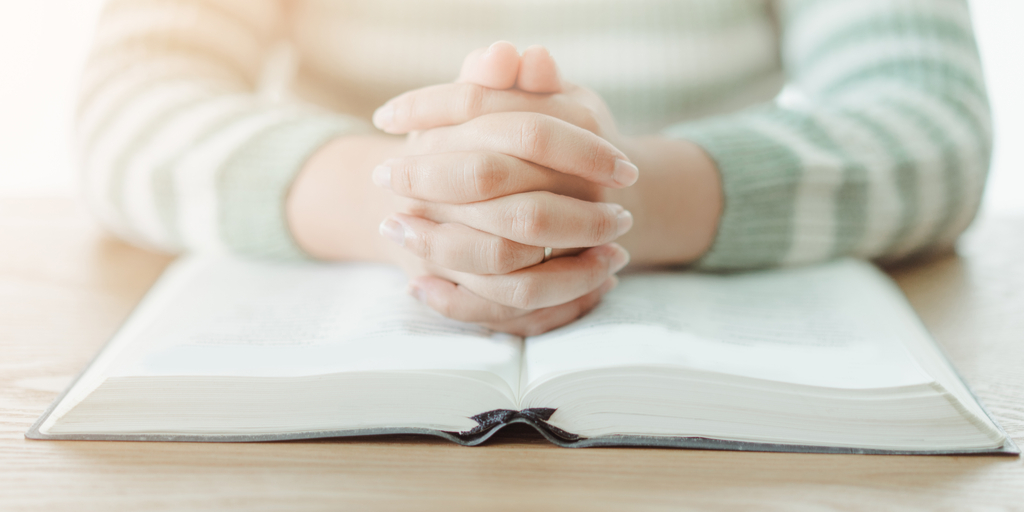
(44, 42)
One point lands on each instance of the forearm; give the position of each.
(676, 203)
(334, 209)
(881, 154)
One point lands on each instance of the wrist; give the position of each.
(334, 209)
(676, 203)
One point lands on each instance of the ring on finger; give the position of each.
(547, 254)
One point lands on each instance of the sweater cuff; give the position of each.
(759, 187)
(255, 181)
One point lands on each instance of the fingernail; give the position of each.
(535, 46)
(382, 176)
(496, 43)
(417, 293)
(624, 220)
(625, 173)
(618, 261)
(383, 116)
(393, 230)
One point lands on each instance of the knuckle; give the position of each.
(528, 220)
(597, 156)
(471, 99)
(603, 227)
(402, 180)
(486, 175)
(424, 246)
(523, 292)
(418, 208)
(533, 137)
(501, 256)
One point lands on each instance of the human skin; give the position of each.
(468, 207)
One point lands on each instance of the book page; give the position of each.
(818, 326)
(244, 318)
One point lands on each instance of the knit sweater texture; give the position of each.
(839, 127)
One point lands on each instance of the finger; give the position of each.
(459, 247)
(546, 319)
(494, 67)
(538, 72)
(540, 219)
(451, 104)
(457, 178)
(551, 283)
(537, 138)
(458, 303)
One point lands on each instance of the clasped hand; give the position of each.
(497, 166)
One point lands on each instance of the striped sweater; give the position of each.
(839, 127)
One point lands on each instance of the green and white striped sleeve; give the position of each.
(177, 149)
(878, 147)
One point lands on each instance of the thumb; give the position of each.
(538, 72)
(494, 67)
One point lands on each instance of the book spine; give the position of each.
(491, 421)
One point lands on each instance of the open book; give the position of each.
(823, 359)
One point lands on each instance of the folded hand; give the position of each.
(497, 175)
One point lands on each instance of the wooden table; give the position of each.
(65, 287)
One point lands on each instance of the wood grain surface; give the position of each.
(65, 287)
